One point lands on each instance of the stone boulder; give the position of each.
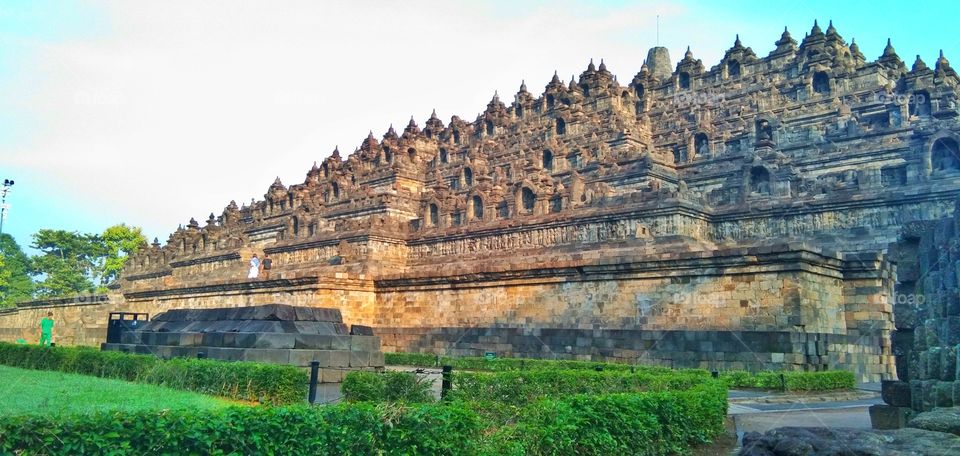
(802, 441)
(945, 419)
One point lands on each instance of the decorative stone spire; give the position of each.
(193, 225)
(855, 51)
(603, 67)
(890, 59)
(434, 124)
(590, 67)
(737, 44)
(156, 243)
(336, 153)
(573, 84)
(786, 43)
(919, 65)
(370, 143)
(815, 31)
(412, 129)
(277, 185)
(659, 63)
(523, 86)
(831, 30)
(555, 82)
(688, 55)
(390, 134)
(942, 66)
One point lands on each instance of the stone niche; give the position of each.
(273, 333)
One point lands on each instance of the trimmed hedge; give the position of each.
(265, 383)
(348, 429)
(523, 387)
(386, 387)
(795, 380)
(655, 423)
(511, 364)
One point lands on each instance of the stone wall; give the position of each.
(784, 306)
(927, 337)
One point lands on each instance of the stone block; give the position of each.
(224, 353)
(942, 393)
(895, 393)
(322, 342)
(339, 358)
(950, 331)
(933, 359)
(361, 330)
(359, 359)
(928, 402)
(377, 360)
(304, 357)
(948, 364)
(267, 355)
(275, 340)
(916, 394)
(889, 417)
(364, 343)
(905, 316)
(331, 375)
(212, 339)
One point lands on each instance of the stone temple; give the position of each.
(738, 216)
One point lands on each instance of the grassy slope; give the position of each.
(24, 391)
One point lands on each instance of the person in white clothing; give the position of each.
(254, 267)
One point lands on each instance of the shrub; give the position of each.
(522, 387)
(511, 364)
(265, 383)
(386, 387)
(794, 380)
(348, 429)
(652, 423)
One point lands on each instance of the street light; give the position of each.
(7, 183)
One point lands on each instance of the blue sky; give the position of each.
(150, 113)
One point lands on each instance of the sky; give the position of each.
(149, 113)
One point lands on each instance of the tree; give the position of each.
(119, 242)
(67, 263)
(15, 282)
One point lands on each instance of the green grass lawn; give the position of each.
(24, 391)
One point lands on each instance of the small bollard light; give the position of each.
(715, 374)
(446, 383)
(598, 368)
(436, 362)
(783, 382)
(314, 376)
(201, 355)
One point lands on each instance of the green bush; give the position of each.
(265, 383)
(348, 429)
(652, 423)
(410, 359)
(522, 387)
(511, 364)
(794, 380)
(386, 387)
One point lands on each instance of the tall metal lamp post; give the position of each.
(7, 183)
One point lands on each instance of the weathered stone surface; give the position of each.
(275, 338)
(895, 393)
(792, 441)
(889, 417)
(941, 420)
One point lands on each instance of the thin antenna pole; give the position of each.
(658, 30)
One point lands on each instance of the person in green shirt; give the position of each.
(46, 329)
